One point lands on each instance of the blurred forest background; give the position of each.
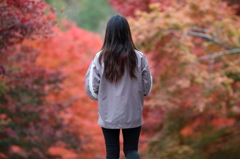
(193, 47)
(86, 14)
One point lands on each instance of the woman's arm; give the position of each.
(146, 78)
(92, 80)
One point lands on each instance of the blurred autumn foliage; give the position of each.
(129, 7)
(194, 52)
(43, 106)
(73, 50)
(24, 19)
(193, 112)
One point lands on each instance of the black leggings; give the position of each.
(130, 142)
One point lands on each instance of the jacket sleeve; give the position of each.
(92, 80)
(146, 77)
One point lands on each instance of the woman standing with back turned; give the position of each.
(118, 78)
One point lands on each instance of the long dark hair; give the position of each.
(118, 50)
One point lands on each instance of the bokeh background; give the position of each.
(193, 47)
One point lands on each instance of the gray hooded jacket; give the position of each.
(120, 104)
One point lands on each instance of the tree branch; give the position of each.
(208, 37)
(198, 29)
(213, 56)
(202, 35)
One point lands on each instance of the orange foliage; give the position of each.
(187, 131)
(193, 49)
(16, 149)
(71, 51)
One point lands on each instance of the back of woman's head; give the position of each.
(118, 49)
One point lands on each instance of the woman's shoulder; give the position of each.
(139, 53)
(96, 59)
(98, 54)
(142, 57)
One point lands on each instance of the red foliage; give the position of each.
(21, 19)
(30, 122)
(223, 122)
(236, 3)
(69, 52)
(128, 8)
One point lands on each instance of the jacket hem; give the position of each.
(127, 126)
